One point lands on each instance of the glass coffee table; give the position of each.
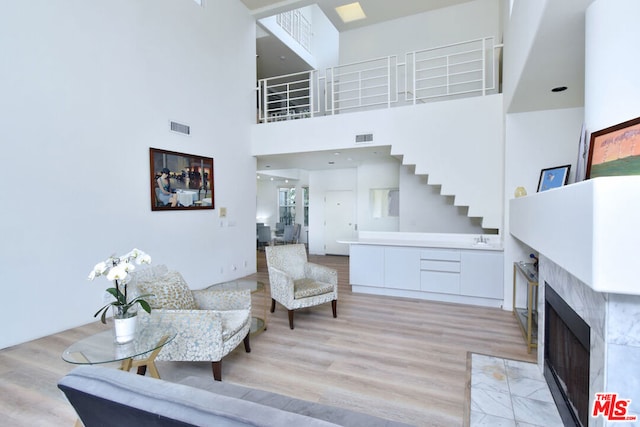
(141, 352)
(258, 324)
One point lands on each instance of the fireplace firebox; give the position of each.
(567, 346)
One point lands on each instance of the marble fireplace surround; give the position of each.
(587, 235)
(614, 320)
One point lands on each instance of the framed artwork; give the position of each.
(583, 155)
(180, 181)
(553, 177)
(615, 151)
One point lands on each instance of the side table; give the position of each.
(527, 317)
(101, 348)
(258, 324)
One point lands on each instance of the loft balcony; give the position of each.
(454, 71)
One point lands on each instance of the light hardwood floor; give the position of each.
(399, 359)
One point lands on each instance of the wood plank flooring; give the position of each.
(400, 359)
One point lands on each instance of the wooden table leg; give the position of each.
(146, 363)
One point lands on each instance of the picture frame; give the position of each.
(180, 181)
(615, 151)
(554, 177)
(583, 155)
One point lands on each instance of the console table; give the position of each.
(527, 317)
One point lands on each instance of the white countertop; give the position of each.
(428, 240)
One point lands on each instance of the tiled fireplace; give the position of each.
(614, 336)
(587, 236)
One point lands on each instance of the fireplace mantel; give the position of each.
(591, 229)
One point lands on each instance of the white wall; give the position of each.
(267, 201)
(611, 93)
(466, 21)
(520, 32)
(87, 88)
(534, 141)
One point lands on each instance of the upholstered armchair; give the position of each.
(296, 283)
(209, 323)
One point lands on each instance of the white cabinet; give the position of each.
(366, 265)
(482, 274)
(440, 270)
(402, 268)
(467, 276)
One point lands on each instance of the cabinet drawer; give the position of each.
(432, 265)
(441, 282)
(440, 254)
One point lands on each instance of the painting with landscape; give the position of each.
(615, 151)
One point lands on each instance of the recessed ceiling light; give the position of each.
(559, 89)
(350, 12)
(332, 163)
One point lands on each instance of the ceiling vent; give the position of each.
(180, 128)
(364, 138)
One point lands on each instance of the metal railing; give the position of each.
(298, 27)
(448, 72)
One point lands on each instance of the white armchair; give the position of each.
(209, 323)
(296, 283)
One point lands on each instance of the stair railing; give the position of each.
(447, 72)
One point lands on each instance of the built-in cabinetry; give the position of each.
(454, 275)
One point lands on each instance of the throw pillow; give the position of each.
(169, 292)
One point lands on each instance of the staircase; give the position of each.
(458, 146)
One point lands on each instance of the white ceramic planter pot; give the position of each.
(124, 328)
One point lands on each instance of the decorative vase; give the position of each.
(124, 324)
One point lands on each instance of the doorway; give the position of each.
(339, 221)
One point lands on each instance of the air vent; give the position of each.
(180, 128)
(364, 138)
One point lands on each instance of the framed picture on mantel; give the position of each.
(553, 177)
(615, 151)
(180, 181)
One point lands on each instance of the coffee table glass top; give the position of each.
(101, 347)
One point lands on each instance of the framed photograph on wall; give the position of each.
(553, 177)
(180, 181)
(615, 151)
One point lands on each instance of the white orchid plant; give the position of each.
(117, 269)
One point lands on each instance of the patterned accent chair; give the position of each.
(209, 323)
(296, 283)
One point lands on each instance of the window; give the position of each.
(287, 205)
(305, 197)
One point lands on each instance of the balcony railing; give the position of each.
(448, 72)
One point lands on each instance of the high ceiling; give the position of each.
(555, 58)
(376, 10)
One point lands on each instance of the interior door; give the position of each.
(339, 221)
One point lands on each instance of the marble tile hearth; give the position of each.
(509, 393)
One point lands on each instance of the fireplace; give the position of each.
(566, 358)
